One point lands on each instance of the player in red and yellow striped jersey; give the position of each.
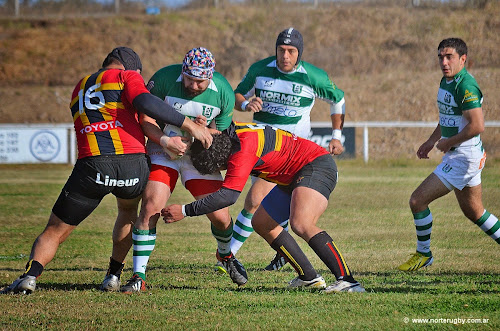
(305, 175)
(111, 157)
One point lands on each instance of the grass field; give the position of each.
(368, 218)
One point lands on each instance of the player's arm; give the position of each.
(245, 90)
(222, 198)
(226, 99)
(337, 115)
(326, 90)
(475, 126)
(156, 108)
(238, 170)
(242, 104)
(176, 145)
(428, 145)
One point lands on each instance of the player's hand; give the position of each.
(424, 149)
(335, 147)
(254, 105)
(202, 133)
(444, 145)
(174, 146)
(172, 213)
(201, 120)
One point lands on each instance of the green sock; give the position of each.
(144, 243)
(223, 238)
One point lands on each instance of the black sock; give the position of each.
(115, 267)
(33, 268)
(325, 248)
(287, 247)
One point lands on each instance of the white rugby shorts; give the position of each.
(183, 166)
(462, 167)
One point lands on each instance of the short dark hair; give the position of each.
(213, 159)
(458, 44)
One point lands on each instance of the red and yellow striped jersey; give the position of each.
(272, 154)
(106, 123)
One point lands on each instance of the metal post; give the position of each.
(365, 143)
(16, 8)
(117, 6)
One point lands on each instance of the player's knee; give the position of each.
(415, 203)
(299, 229)
(251, 205)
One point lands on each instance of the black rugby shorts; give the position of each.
(92, 178)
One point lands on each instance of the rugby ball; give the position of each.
(173, 131)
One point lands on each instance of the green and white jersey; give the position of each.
(288, 98)
(216, 103)
(455, 97)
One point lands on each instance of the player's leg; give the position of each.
(268, 227)
(161, 183)
(307, 206)
(432, 188)
(45, 246)
(470, 201)
(70, 209)
(221, 224)
(243, 226)
(122, 241)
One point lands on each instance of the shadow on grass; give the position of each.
(444, 282)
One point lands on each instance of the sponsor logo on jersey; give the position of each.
(447, 98)
(268, 83)
(470, 97)
(445, 109)
(150, 85)
(283, 98)
(101, 126)
(116, 182)
(296, 88)
(279, 110)
(177, 106)
(450, 121)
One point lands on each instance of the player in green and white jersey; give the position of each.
(281, 91)
(457, 135)
(197, 91)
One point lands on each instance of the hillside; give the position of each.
(384, 58)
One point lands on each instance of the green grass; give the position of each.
(368, 217)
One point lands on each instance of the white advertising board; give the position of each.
(34, 145)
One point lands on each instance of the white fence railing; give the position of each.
(400, 124)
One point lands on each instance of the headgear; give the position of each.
(199, 63)
(126, 56)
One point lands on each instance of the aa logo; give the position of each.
(296, 88)
(207, 111)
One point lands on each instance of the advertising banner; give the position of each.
(323, 135)
(32, 145)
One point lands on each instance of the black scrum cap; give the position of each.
(126, 56)
(291, 37)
